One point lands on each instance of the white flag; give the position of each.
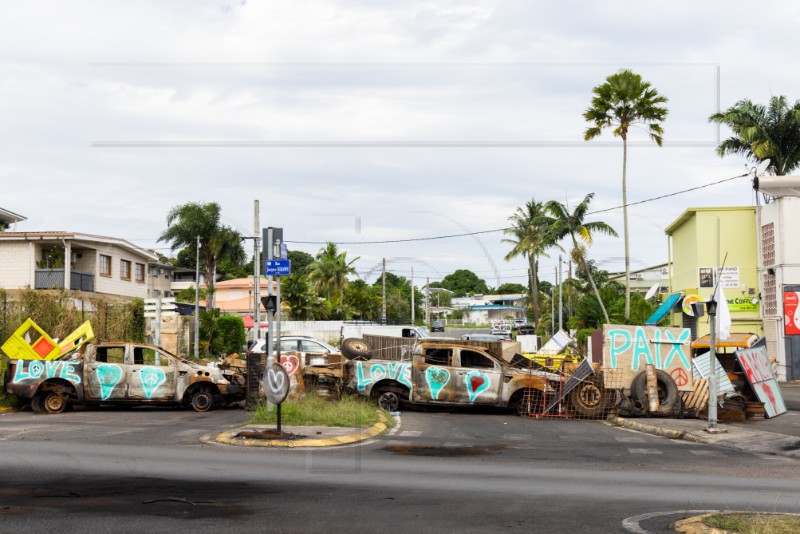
(723, 315)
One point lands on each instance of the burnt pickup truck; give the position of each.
(448, 375)
(121, 373)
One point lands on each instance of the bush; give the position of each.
(230, 334)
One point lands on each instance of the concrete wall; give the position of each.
(18, 261)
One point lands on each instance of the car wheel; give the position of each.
(591, 398)
(354, 348)
(51, 402)
(202, 400)
(390, 398)
(527, 402)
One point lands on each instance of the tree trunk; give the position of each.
(625, 226)
(210, 273)
(534, 287)
(591, 281)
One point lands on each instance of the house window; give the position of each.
(140, 273)
(125, 269)
(105, 265)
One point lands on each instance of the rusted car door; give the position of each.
(105, 373)
(151, 376)
(433, 377)
(478, 378)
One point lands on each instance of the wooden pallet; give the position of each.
(698, 397)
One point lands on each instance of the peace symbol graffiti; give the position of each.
(680, 376)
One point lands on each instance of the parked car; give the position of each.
(296, 344)
(501, 330)
(437, 326)
(518, 323)
(526, 330)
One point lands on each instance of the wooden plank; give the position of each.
(652, 387)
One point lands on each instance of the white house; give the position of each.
(74, 261)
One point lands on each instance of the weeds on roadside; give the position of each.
(349, 411)
(754, 523)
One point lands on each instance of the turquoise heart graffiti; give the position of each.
(152, 377)
(108, 376)
(477, 383)
(437, 378)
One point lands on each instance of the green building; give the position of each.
(700, 240)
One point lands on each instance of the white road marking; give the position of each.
(774, 457)
(630, 439)
(631, 524)
(705, 453)
(410, 433)
(644, 451)
(518, 437)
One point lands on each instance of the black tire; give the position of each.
(202, 400)
(668, 395)
(354, 348)
(590, 398)
(389, 398)
(526, 402)
(49, 401)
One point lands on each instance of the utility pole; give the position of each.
(413, 318)
(197, 302)
(552, 311)
(569, 290)
(427, 300)
(256, 273)
(383, 297)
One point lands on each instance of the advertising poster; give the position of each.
(790, 311)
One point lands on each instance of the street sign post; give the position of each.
(278, 267)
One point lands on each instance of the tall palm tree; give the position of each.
(530, 239)
(329, 272)
(564, 223)
(763, 132)
(188, 221)
(622, 102)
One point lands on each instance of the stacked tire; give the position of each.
(668, 396)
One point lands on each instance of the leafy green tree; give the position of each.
(509, 289)
(363, 300)
(300, 261)
(230, 335)
(622, 102)
(530, 238)
(329, 273)
(188, 221)
(763, 132)
(398, 298)
(462, 282)
(298, 294)
(564, 223)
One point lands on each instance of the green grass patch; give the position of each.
(754, 523)
(350, 411)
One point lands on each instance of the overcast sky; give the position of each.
(365, 121)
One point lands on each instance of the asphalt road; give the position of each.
(144, 470)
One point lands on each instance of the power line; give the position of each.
(468, 234)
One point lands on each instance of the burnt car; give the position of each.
(124, 374)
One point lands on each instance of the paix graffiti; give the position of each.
(628, 349)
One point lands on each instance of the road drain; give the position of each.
(268, 434)
(422, 450)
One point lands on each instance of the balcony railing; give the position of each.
(54, 279)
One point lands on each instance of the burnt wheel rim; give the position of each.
(389, 401)
(590, 395)
(202, 401)
(54, 403)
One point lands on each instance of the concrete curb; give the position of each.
(694, 525)
(229, 438)
(658, 431)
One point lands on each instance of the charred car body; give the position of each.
(448, 375)
(121, 373)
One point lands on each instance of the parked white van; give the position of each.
(358, 330)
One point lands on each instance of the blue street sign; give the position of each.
(277, 267)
